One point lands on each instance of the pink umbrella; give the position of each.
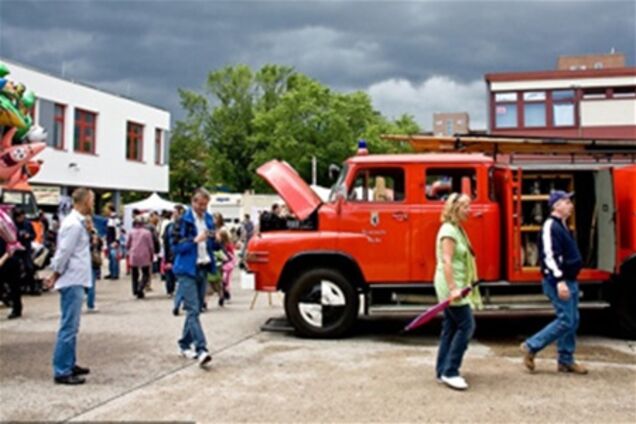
(8, 232)
(431, 313)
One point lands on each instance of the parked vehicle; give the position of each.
(370, 247)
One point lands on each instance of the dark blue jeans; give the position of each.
(113, 263)
(563, 328)
(71, 299)
(202, 284)
(458, 327)
(192, 330)
(90, 295)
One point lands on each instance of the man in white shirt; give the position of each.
(71, 273)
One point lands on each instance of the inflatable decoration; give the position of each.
(21, 139)
(9, 233)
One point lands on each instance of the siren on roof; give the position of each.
(362, 147)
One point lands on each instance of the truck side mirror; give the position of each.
(467, 187)
(333, 169)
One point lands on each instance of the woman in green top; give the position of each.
(455, 270)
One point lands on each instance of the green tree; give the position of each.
(243, 119)
(189, 151)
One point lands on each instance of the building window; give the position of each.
(563, 108)
(59, 113)
(158, 144)
(624, 92)
(449, 127)
(506, 110)
(134, 141)
(85, 131)
(534, 109)
(594, 93)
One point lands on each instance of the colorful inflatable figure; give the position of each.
(21, 140)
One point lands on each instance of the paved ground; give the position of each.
(375, 376)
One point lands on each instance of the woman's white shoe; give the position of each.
(457, 383)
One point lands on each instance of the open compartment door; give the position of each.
(606, 220)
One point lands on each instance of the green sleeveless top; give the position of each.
(463, 265)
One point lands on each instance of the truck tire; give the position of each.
(624, 304)
(321, 303)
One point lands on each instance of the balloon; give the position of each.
(28, 99)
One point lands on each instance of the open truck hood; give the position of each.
(300, 198)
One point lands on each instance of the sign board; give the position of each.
(46, 195)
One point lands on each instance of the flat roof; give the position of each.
(422, 158)
(559, 74)
(83, 84)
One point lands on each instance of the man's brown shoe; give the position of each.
(574, 367)
(528, 357)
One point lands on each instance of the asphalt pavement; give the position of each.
(376, 375)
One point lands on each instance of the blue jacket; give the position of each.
(184, 231)
(560, 255)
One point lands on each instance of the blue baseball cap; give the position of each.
(557, 195)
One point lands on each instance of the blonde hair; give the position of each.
(224, 236)
(450, 213)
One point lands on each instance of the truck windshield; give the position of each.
(339, 187)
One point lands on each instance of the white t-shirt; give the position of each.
(202, 251)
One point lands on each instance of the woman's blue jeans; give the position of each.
(458, 327)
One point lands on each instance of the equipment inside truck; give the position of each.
(592, 223)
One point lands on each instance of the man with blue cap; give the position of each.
(560, 265)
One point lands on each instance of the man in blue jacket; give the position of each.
(193, 247)
(560, 265)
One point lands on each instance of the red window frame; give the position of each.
(82, 125)
(59, 118)
(517, 103)
(134, 141)
(574, 100)
(522, 109)
(158, 144)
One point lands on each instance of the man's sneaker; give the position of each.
(528, 357)
(457, 383)
(204, 359)
(188, 353)
(574, 368)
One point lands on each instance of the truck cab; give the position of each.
(371, 247)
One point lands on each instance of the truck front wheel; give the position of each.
(321, 303)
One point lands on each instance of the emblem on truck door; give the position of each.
(375, 219)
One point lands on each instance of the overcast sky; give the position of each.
(412, 57)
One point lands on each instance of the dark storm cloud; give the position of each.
(147, 49)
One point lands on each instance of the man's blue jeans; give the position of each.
(71, 299)
(113, 263)
(563, 328)
(202, 284)
(90, 296)
(192, 330)
(458, 327)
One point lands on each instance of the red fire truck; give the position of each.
(370, 248)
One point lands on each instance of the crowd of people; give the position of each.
(191, 249)
(18, 267)
(146, 253)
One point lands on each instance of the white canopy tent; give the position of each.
(153, 203)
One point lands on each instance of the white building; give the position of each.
(96, 139)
